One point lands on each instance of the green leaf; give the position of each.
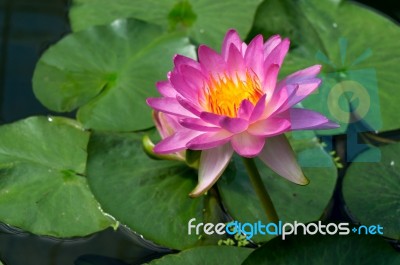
(292, 202)
(149, 196)
(206, 255)
(371, 189)
(108, 72)
(332, 33)
(327, 250)
(42, 184)
(201, 19)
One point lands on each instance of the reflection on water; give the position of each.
(108, 247)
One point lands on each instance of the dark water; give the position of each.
(27, 28)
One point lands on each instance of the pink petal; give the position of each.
(188, 105)
(270, 44)
(254, 56)
(305, 88)
(165, 89)
(302, 119)
(212, 164)
(209, 140)
(166, 124)
(303, 74)
(235, 61)
(269, 127)
(210, 60)
(231, 38)
(270, 78)
(194, 77)
(279, 156)
(181, 86)
(279, 101)
(180, 60)
(234, 125)
(211, 117)
(198, 124)
(245, 109)
(175, 142)
(277, 54)
(247, 145)
(169, 105)
(258, 109)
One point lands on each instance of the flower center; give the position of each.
(223, 95)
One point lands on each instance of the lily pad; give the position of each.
(42, 185)
(149, 196)
(108, 72)
(371, 190)
(359, 65)
(292, 202)
(327, 250)
(201, 19)
(206, 255)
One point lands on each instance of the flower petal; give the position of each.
(231, 37)
(181, 86)
(270, 44)
(210, 60)
(166, 124)
(212, 164)
(180, 60)
(209, 140)
(303, 119)
(166, 89)
(198, 124)
(303, 74)
(258, 109)
(280, 157)
(277, 54)
(188, 105)
(175, 142)
(169, 105)
(269, 127)
(245, 109)
(211, 117)
(234, 125)
(235, 61)
(247, 145)
(270, 79)
(254, 56)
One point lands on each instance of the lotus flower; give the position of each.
(233, 102)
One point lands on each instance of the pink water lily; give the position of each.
(233, 102)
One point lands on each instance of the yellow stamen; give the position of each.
(224, 94)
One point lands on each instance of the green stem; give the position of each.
(260, 190)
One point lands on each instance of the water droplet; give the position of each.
(334, 25)
(392, 163)
(201, 31)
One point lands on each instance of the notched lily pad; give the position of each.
(42, 184)
(108, 72)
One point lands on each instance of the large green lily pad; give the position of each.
(200, 19)
(108, 72)
(149, 196)
(359, 67)
(327, 250)
(42, 184)
(372, 189)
